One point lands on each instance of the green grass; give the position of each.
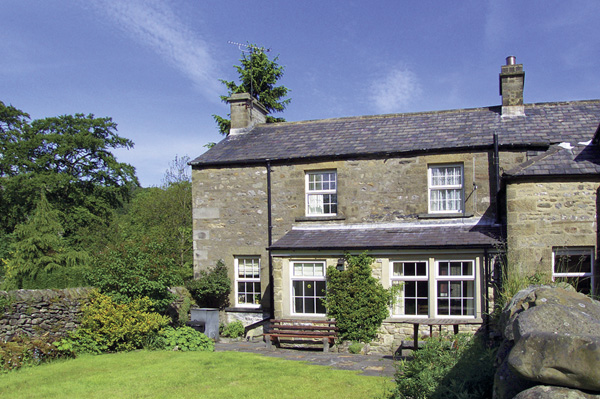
(162, 374)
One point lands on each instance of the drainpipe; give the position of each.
(497, 173)
(270, 241)
(486, 271)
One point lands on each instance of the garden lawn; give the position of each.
(162, 374)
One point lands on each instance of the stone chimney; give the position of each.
(245, 113)
(512, 80)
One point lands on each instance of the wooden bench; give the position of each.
(324, 330)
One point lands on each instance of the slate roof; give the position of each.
(579, 158)
(458, 236)
(382, 135)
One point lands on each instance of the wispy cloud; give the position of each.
(394, 90)
(154, 24)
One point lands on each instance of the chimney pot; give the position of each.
(511, 60)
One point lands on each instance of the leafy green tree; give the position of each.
(212, 287)
(135, 269)
(40, 253)
(258, 75)
(70, 157)
(356, 299)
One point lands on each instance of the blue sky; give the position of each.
(153, 65)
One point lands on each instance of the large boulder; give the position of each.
(553, 317)
(558, 359)
(551, 392)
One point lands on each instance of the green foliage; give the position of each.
(70, 157)
(355, 348)
(186, 339)
(212, 288)
(134, 270)
(234, 329)
(24, 351)
(5, 301)
(108, 326)
(41, 251)
(258, 75)
(356, 300)
(459, 366)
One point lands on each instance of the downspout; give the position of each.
(486, 272)
(270, 242)
(497, 175)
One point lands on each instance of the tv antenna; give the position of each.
(247, 49)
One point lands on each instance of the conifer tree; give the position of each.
(258, 75)
(40, 249)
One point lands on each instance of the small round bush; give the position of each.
(234, 330)
(186, 339)
(355, 347)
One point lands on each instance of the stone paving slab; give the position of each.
(370, 365)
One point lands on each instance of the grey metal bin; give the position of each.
(205, 320)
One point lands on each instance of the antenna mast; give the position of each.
(247, 49)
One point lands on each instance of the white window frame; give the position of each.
(447, 188)
(398, 279)
(305, 277)
(315, 194)
(452, 278)
(577, 251)
(247, 280)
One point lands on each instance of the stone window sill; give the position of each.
(319, 218)
(243, 310)
(444, 215)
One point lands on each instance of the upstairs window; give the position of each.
(446, 189)
(576, 267)
(247, 282)
(321, 193)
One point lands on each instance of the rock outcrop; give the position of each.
(551, 347)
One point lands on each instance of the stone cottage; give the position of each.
(432, 196)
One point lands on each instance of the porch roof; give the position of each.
(409, 237)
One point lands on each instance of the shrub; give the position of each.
(186, 339)
(107, 326)
(458, 366)
(136, 270)
(212, 288)
(355, 348)
(234, 330)
(356, 300)
(24, 351)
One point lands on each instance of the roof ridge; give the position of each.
(417, 113)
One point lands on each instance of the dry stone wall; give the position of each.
(37, 312)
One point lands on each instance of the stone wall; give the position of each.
(543, 215)
(230, 219)
(36, 312)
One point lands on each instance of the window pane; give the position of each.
(410, 269)
(309, 288)
(423, 289)
(410, 307)
(422, 307)
(455, 307)
(321, 306)
(443, 308)
(309, 305)
(298, 304)
(397, 269)
(443, 268)
(456, 269)
(321, 288)
(421, 269)
(573, 263)
(410, 288)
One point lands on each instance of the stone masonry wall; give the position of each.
(544, 215)
(36, 312)
(230, 219)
